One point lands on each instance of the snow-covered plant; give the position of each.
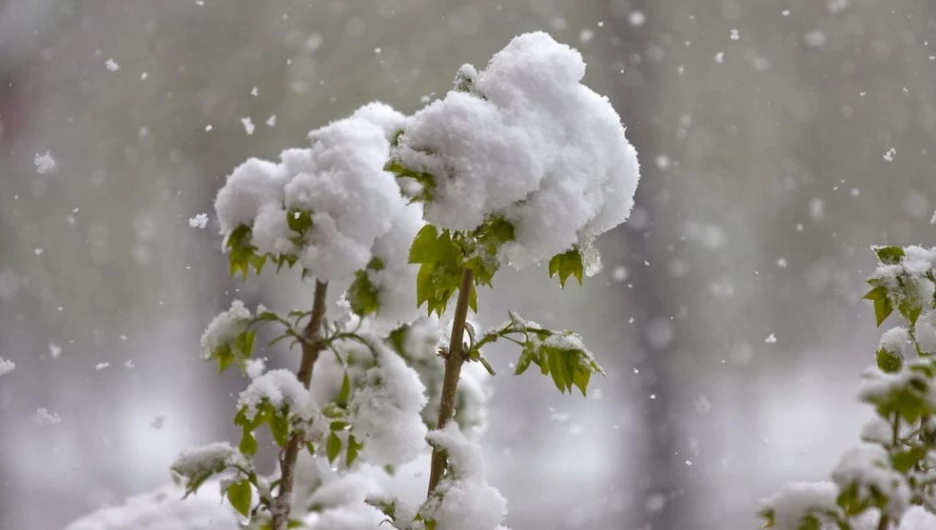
(519, 164)
(888, 482)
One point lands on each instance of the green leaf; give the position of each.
(877, 293)
(526, 357)
(426, 180)
(240, 250)
(904, 460)
(332, 447)
(240, 495)
(889, 361)
(487, 365)
(354, 449)
(299, 221)
(567, 264)
(363, 295)
(248, 444)
(430, 247)
(889, 255)
(882, 309)
(345, 392)
(279, 428)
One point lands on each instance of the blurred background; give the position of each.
(779, 139)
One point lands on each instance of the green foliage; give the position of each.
(332, 447)
(241, 253)
(902, 392)
(363, 295)
(559, 354)
(240, 495)
(440, 268)
(237, 352)
(426, 181)
(567, 264)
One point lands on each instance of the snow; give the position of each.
(395, 282)
(895, 340)
(55, 350)
(101, 366)
(164, 509)
(464, 500)
(925, 331)
(526, 141)
(867, 467)
(112, 65)
(6, 366)
(44, 163)
(340, 180)
(225, 328)
(255, 367)
(877, 430)
(280, 388)
(45, 418)
(798, 499)
(735, 34)
(890, 154)
(637, 19)
(205, 459)
(771, 339)
(385, 412)
(248, 125)
(199, 221)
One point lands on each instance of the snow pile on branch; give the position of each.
(280, 388)
(205, 459)
(867, 469)
(164, 509)
(463, 500)
(225, 328)
(325, 205)
(524, 139)
(385, 412)
(798, 500)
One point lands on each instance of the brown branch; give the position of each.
(311, 347)
(453, 364)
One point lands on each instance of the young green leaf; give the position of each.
(889, 255)
(240, 495)
(567, 264)
(279, 428)
(332, 447)
(354, 449)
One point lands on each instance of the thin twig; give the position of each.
(453, 365)
(312, 345)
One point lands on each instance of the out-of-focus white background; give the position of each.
(779, 140)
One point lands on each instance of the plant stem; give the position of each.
(311, 347)
(884, 522)
(453, 365)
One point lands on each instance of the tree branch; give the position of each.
(453, 364)
(312, 345)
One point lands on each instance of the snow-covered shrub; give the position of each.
(888, 482)
(520, 163)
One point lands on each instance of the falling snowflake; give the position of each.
(771, 339)
(271, 121)
(101, 366)
(44, 163)
(199, 221)
(735, 35)
(889, 154)
(6, 366)
(112, 65)
(55, 350)
(782, 263)
(720, 57)
(637, 19)
(248, 125)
